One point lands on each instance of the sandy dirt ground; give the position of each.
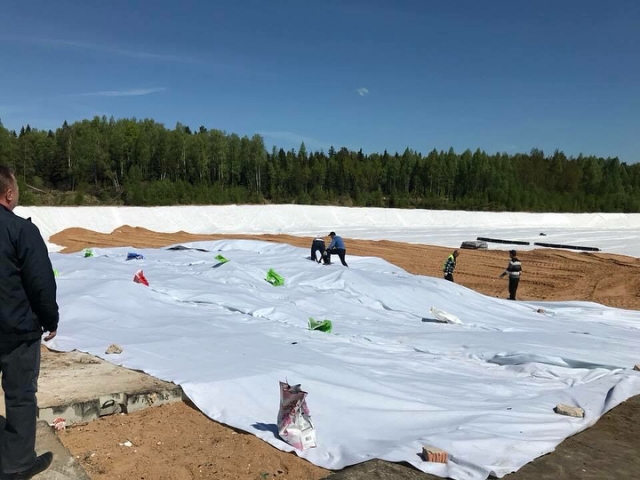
(179, 443)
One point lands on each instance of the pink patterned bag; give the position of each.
(294, 422)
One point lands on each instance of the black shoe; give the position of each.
(41, 464)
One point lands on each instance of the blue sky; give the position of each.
(498, 75)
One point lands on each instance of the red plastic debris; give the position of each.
(140, 278)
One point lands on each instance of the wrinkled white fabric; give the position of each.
(387, 380)
(611, 232)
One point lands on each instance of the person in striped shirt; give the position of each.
(514, 269)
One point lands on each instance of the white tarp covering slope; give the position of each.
(385, 382)
(612, 232)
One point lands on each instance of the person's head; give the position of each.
(512, 253)
(9, 192)
(332, 234)
(455, 254)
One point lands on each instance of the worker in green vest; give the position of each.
(450, 265)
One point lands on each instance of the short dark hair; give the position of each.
(512, 252)
(332, 234)
(7, 179)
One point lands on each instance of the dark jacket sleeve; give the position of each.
(37, 275)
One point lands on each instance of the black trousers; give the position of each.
(341, 252)
(317, 246)
(513, 287)
(449, 276)
(20, 367)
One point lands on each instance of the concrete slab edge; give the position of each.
(122, 402)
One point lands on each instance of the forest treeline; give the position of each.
(141, 162)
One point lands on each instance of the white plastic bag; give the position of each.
(444, 316)
(294, 422)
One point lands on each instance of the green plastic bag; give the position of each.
(322, 325)
(274, 279)
(221, 259)
(88, 253)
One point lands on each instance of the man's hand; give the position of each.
(51, 336)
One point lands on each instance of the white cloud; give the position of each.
(237, 65)
(362, 91)
(133, 92)
(114, 50)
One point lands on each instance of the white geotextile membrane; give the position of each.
(611, 232)
(386, 381)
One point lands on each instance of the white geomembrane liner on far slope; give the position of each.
(611, 232)
(388, 379)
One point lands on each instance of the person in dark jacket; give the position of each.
(336, 247)
(450, 266)
(514, 269)
(317, 246)
(28, 308)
